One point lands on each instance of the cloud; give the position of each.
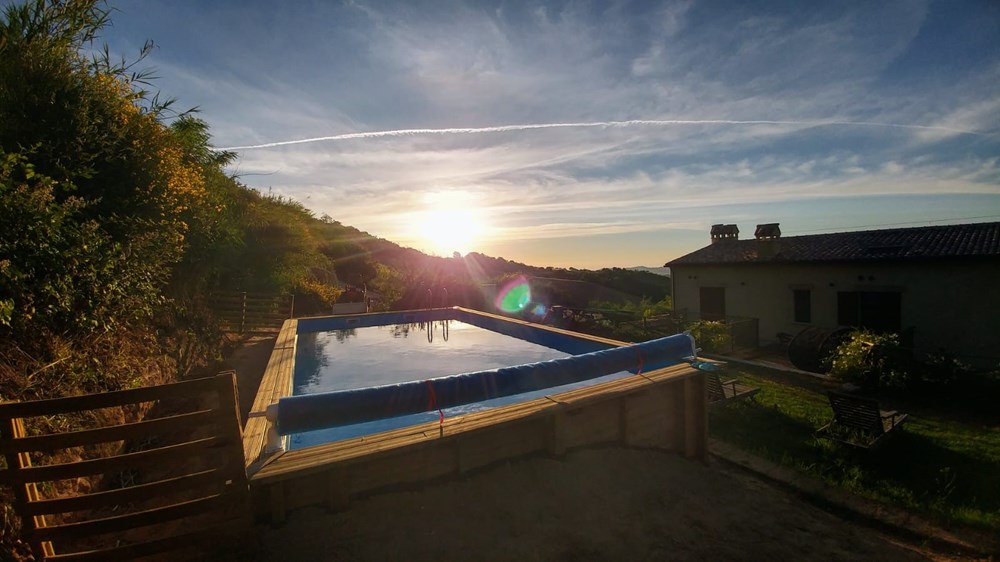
(587, 120)
(598, 124)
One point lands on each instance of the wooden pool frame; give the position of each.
(663, 409)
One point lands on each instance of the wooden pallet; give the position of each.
(180, 477)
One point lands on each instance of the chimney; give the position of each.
(769, 231)
(721, 232)
(767, 236)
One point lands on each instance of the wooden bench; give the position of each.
(859, 422)
(171, 482)
(722, 392)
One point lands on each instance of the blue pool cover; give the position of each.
(297, 414)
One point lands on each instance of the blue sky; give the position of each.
(820, 116)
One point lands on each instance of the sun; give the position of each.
(448, 230)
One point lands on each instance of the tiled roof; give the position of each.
(927, 242)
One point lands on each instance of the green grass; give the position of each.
(945, 464)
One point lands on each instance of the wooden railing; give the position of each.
(176, 481)
(244, 313)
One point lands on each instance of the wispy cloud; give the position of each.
(876, 112)
(600, 124)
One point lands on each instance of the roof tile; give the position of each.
(928, 242)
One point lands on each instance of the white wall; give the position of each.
(953, 305)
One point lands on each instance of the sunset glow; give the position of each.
(593, 134)
(450, 223)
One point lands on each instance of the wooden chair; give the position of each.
(722, 392)
(858, 421)
(173, 481)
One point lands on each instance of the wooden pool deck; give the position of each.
(277, 382)
(663, 409)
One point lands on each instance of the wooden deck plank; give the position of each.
(484, 418)
(211, 535)
(54, 406)
(634, 409)
(103, 465)
(293, 462)
(599, 339)
(275, 383)
(178, 494)
(158, 426)
(117, 496)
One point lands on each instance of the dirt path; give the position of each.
(250, 360)
(602, 504)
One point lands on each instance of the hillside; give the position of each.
(121, 231)
(657, 270)
(120, 224)
(356, 256)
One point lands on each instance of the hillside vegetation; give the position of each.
(119, 223)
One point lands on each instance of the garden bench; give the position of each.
(859, 422)
(721, 392)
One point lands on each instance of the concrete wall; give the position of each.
(951, 305)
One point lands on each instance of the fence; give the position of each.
(244, 312)
(728, 335)
(177, 480)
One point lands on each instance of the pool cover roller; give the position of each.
(296, 414)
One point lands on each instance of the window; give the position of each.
(803, 305)
(712, 303)
(880, 311)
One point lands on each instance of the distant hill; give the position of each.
(356, 254)
(655, 270)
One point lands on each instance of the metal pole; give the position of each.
(243, 313)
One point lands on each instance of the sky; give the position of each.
(593, 134)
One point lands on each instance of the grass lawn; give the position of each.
(945, 464)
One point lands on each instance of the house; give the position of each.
(939, 285)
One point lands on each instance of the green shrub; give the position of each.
(872, 360)
(942, 369)
(60, 273)
(711, 336)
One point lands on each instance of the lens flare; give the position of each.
(514, 295)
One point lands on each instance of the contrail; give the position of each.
(608, 124)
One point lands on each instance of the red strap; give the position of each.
(432, 401)
(638, 352)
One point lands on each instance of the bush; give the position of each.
(872, 360)
(60, 273)
(711, 336)
(942, 369)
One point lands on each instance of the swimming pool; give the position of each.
(381, 369)
(351, 379)
(354, 358)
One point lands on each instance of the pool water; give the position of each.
(377, 355)
(343, 359)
